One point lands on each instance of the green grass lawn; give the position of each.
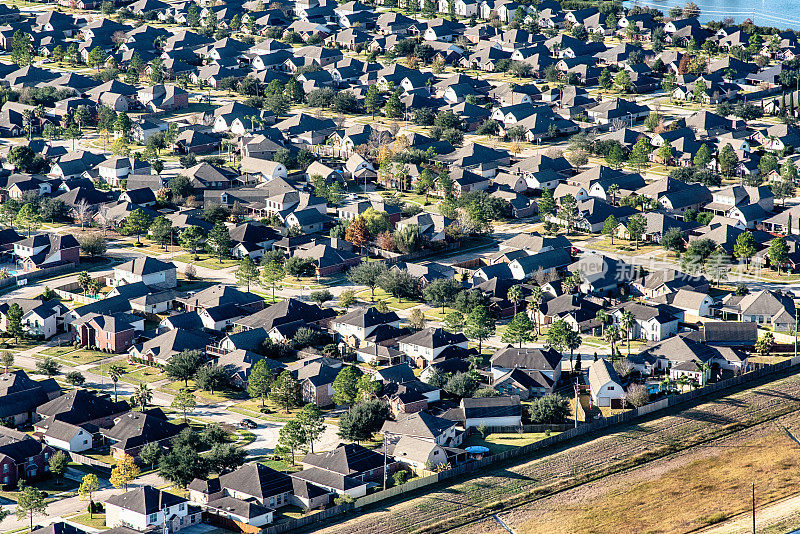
(207, 261)
(134, 373)
(216, 396)
(82, 356)
(252, 408)
(498, 443)
(50, 485)
(390, 301)
(93, 520)
(57, 351)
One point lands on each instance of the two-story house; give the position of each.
(146, 507)
(354, 327)
(148, 270)
(425, 346)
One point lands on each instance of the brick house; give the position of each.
(351, 460)
(47, 250)
(316, 383)
(22, 457)
(111, 333)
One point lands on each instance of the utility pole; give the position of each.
(577, 400)
(795, 332)
(384, 461)
(754, 508)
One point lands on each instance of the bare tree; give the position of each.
(103, 217)
(81, 212)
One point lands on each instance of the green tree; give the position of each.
(441, 292)
(672, 240)
(610, 226)
(479, 325)
(123, 125)
(162, 231)
(363, 420)
(58, 463)
(345, 385)
(247, 272)
(728, 161)
(285, 391)
(312, 423)
(463, 385)
(22, 52)
(623, 81)
(184, 365)
(745, 247)
(703, 156)
(225, 457)
(636, 227)
(96, 57)
(75, 378)
(367, 274)
(29, 217)
(219, 241)
(182, 464)
(151, 453)
(641, 150)
(606, 81)
(626, 322)
(778, 253)
(191, 238)
(137, 223)
(211, 378)
(291, 437)
(393, 108)
(183, 402)
(142, 395)
(550, 408)
(259, 381)
(31, 502)
(14, 322)
(115, 372)
(568, 212)
(271, 273)
(519, 330)
(89, 485)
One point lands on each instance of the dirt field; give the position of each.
(666, 437)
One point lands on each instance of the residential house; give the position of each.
(134, 430)
(146, 507)
(605, 385)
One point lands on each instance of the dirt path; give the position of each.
(581, 460)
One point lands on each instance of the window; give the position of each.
(153, 518)
(5, 468)
(181, 506)
(610, 388)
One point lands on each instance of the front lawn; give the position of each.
(51, 486)
(133, 372)
(57, 351)
(95, 521)
(498, 443)
(252, 408)
(208, 261)
(83, 356)
(390, 301)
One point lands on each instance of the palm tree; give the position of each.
(115, 372)
(627, 321)
(143, 395)
(603, 317)
(613, 190)
(664, 384)
(611, 335)
(536, 300)
(515, 295)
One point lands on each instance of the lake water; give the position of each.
(777, 13)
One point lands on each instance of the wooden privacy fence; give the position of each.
(545, 443)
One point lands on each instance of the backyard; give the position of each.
(497, 443)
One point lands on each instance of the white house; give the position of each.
(147, 507)
(150, 271)
(45, 320)
(355, 326)
(67, 437)
(604, 383)
(426, 345)
(492, 412)
(653, 323)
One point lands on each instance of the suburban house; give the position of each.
(47, 250)
(428, 344)
(22, 458)
(146, 507)
(605, 385)
(150, 271)
(504, 411)
(134, 430)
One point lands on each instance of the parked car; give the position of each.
(248, 423)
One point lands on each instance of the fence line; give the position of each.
(526, 450)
